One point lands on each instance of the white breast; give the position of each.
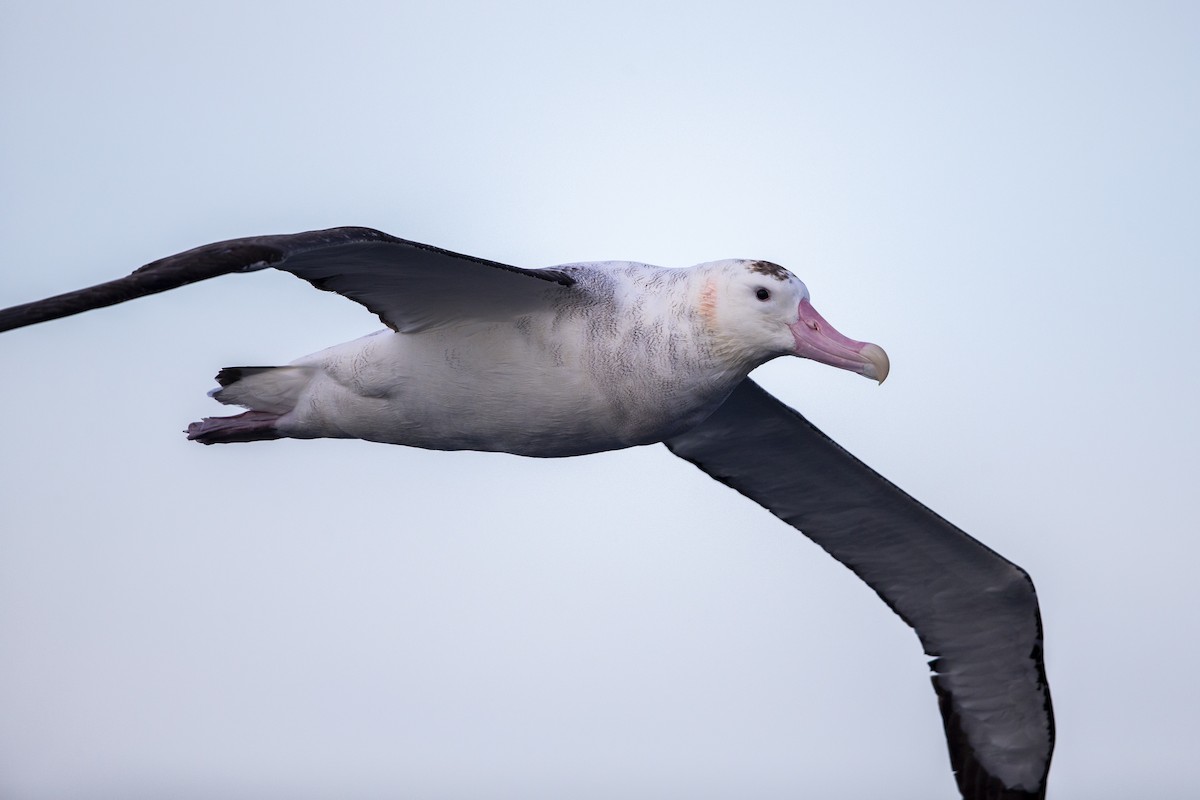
(626, 361)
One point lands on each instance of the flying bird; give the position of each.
(587, 357)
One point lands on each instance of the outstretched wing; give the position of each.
(975, 612)
(411, 286)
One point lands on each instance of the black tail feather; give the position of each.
(230, 375)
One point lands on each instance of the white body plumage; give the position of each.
(634, 354)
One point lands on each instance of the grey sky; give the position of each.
(1005, 198)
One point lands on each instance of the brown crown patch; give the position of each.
(767, 268)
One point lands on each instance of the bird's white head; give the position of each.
(759, 310)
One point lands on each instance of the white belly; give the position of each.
(526, 387)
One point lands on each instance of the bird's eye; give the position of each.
(762, 294)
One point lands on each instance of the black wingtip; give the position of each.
(927, 570)
(192, 266)
(973, 780)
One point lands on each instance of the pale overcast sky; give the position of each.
(1005, 197)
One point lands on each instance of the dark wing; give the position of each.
(410, 286)
(975, 612)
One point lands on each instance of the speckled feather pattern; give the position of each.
(623, 357)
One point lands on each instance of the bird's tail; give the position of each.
(269, 393)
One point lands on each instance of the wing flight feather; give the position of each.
(975, 612)
(410, 286)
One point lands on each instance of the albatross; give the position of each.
(587, 357)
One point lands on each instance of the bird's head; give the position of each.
(758, 310)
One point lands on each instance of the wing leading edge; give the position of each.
(975, 612)
(410, 286)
